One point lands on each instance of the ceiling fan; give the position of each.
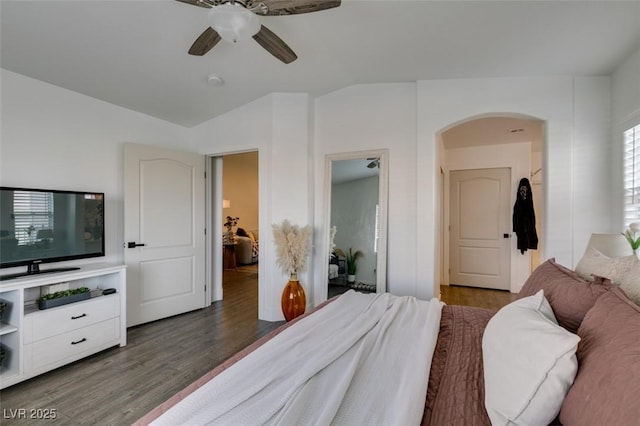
(375, 162)
(233, 20)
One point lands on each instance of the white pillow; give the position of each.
(529, 363)
(631, 284)
(595, 263)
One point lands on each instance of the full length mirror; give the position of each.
(357, 217)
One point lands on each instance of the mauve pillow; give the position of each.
(569, 295)
(606, 389)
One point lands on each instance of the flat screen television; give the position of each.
(41, 226)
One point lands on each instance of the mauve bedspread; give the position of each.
(455, 395)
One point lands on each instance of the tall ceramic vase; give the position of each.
(293, 300)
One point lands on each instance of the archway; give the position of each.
(489, 141)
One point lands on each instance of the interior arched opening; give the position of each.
(467, 149)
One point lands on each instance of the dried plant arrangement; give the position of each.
(292, 247)
(332, 244)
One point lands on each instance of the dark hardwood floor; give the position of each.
(480, 297)
(120, 385)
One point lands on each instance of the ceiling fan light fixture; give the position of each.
(233, 22)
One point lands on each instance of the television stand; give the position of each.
(36, 341)
(35, 270)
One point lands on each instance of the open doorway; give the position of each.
(235, 240)
(514, 142)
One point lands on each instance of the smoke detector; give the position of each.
(214, 80)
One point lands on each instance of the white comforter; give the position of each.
(362, 359)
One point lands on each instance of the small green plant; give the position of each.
(64, 293)
(352, 261)
(631, 235)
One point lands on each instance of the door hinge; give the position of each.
(205, 231)
(205, 175)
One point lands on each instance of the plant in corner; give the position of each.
(292, 250)
(352, 263)
(351, 259)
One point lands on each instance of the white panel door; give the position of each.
(164, 232)
(480, 219)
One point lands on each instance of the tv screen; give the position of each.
(41, 226)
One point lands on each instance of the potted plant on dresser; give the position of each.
(63, 297)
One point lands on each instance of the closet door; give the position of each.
(480, 220)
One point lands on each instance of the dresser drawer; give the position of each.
(72, 345)
(51, 322)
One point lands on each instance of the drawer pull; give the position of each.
(84, 339)
(79, 316)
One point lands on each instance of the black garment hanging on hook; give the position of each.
(524, 218)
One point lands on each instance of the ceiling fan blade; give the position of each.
(196, 3)
(274, 45)
(294, 7)
(205, 42)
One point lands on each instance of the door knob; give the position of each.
(133, 244)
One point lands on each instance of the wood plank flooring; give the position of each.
(471, 296)
(120, 385)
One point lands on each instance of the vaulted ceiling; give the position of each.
(134, 53)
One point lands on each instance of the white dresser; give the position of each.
(36, 341)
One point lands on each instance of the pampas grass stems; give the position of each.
(292, 246)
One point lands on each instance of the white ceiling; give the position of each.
(494, 131)
(134, 53)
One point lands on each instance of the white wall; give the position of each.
(625, 84)
(538, 206)
(57, 139)
(407, 118)
(515, 156)
(591, 150)
(68, 140)
(625, 112)
(278, 127)
(369, 117)
(571, 109)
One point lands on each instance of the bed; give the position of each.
(567, 351)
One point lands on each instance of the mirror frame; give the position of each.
(383, 200)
